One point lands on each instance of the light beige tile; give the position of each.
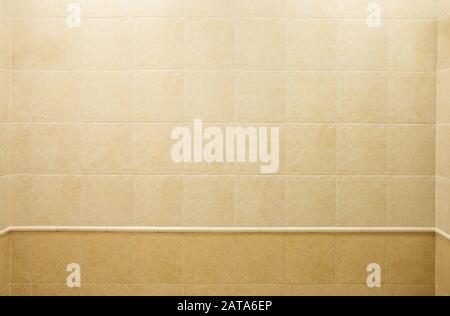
(21, 289)
(158, 43)
(259, 201)
(357, 290)
(443, 204)
(360, 8)
(157, 259)
(443, 60)
(443, 264)
(19, 190)
(361, 149)
(311, 9)
(158, 8)
(209, 95)
(425, 9)
(260, 8)
(107, 200)
(54, 45)
(45, 96)
(354, 253)
(107, 258)
(5, 262)
(412, 97)
(107, 8)
(107, 44)
(311, 149)
(361, 201)
(409, 290)
(361, 47)
(208, 201)
(209, 8)
(310, 201)
(20, 146)
(443, 97)
(32, 8)
(312, 44)
(309, 258)
(260, 96)
(258, 290)
(107, 290)
(55, 148)
(259, 259)
(209, 290)
(442, 152)
(443, 8)
(52, 253)
(157, 200)
(411, 149)
(55, 200)
(54, 290)
(309, 290)
(311, 96)
(157, 290)
(412, 45)
(21, 258)
(208, 259)
(209, 43)
(106, 148)
(260, 44)
(105, 96)
(158, 96)
(152, 146)
(362, 97)
(410, 259)
(410, 201)
(5, 89)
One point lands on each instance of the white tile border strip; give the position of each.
(136, 229)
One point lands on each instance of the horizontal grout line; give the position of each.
(231, 17)
(177, 229)
(286, 70)
(237, 175)
(232, 124)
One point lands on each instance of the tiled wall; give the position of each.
(222, 264)
(4, 143)
(443, 149)
(93, 108)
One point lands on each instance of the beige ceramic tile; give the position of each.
(158, 8)
(410, 201)
(259, 201)
(443, 204)
(260, 8)
(361, 149)
(410, 259)
(157, 200)
(311, 96)
(209, 8)
(442, 152)
(424, 9)
(208, 259)
(309, 290)
(107, 200)
(5, 262)
(107, 258)
(21, 258)
(357, 290)
(260, 96)
(310, 201)
(158, 43)
(409, 290)
(54, 290)
(412, 45)
(309, 259)
(157, 259)
(311, 149)
(209, 43)
(208, 201)
(311, 9)
(209, 290)
(443, 60)
(412, 98)
(411, 149)
(442, 264)
(361, 201)
(443, 97)
(259, 259)
(362, 97)
(157, 290)
(312, 44)
(21, 289)
(260, 44)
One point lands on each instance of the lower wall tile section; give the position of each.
(223, 264)
(5, 270)
(442, 266)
